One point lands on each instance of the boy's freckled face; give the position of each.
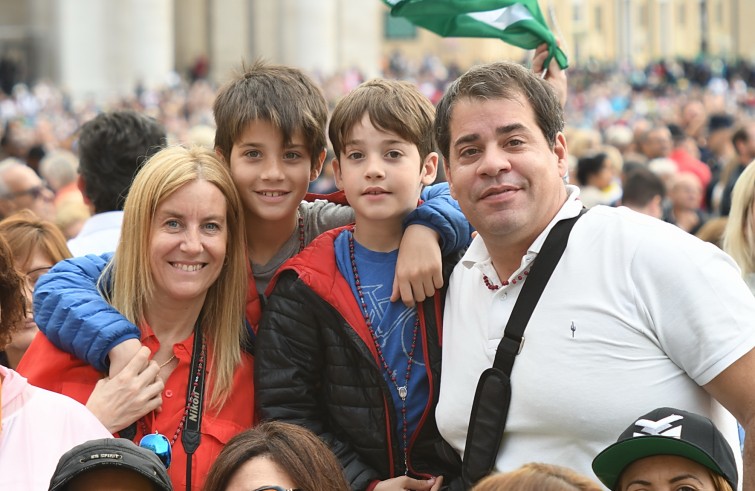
(272, 176)
(381, 173)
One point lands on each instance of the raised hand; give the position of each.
(554, 75)
(404, 482)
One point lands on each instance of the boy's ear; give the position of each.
(429, 168)
(219, 155)
(314, 173)
(337, 174)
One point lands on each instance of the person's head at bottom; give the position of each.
(276, 456)
(668, 449)
(112, 464)
(538, 477)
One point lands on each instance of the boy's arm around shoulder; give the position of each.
(440, 212)
(69, 309)
(288, 370)
(435, 229)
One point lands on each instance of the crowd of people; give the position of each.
(181, 312)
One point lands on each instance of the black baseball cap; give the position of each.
(109, 452)
(667, 431)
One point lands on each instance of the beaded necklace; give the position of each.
(302, 242)
(301, 232)
(493, 287)
(403, 391)
(189, 400)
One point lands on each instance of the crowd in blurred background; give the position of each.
(669, 140)
(672, 118)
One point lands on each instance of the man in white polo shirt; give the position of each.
(637, 314)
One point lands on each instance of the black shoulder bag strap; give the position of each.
(191, 436)
(493, 396)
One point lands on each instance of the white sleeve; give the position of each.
(700, 308)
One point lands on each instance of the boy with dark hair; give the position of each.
(112, 148)
(340, 357)
(271, 132)
(281, 95)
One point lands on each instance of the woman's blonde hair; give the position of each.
(222, 314)
(538, 477)
(739, 239)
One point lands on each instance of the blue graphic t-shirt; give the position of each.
(393, 325)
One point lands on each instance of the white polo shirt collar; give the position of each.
(477, 255)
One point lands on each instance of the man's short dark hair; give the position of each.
(501, 80)
(741, 135)
(112, 148)
(590, 165)
(641, 186)
(677, 134)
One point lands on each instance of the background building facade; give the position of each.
(100, 48)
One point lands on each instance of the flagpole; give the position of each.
(559, 35)
(554, 24)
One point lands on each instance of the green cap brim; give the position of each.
(611, 462)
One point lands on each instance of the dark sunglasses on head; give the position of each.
(160, 445)
(275, 488)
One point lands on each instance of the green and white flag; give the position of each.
(517, 22)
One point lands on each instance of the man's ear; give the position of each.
(561, 151)
(655, 206)
(429, 168)
(315, 172)
(337, 173)
(82, 185)
(449, 178)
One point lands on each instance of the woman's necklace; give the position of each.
(194, 393)
(403, 391)
(169, 360)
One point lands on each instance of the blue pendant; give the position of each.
(160, 445)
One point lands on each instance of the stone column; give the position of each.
(106, 47)
(229, 36)
(322, 35)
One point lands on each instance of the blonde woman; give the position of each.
(179, 273)
(739, 235)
